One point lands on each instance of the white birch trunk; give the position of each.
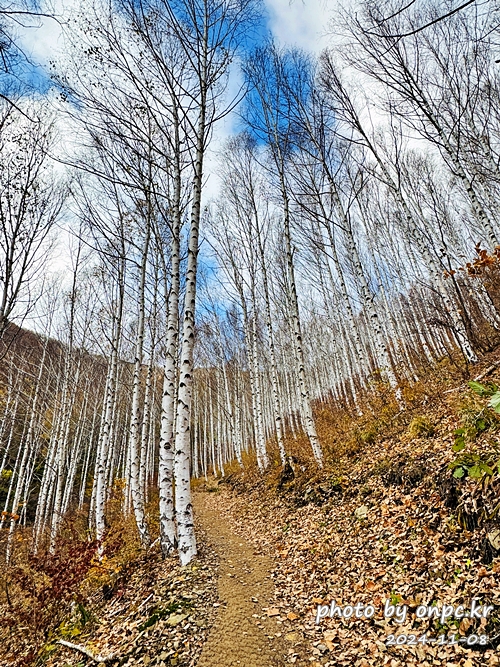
(134, 434)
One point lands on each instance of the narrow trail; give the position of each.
(239, 637)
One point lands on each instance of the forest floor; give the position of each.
(150, 611)
(327, 553)
(385, 521)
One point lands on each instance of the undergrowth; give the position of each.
(446, 439)
(49, 595)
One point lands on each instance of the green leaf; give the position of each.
(459, 472)
(475, 471)
(459, 445)
(395, 598)
(151, 621)
(478, 388)
(459, 431)
(84, 614)
(486, 468)
(495, 402)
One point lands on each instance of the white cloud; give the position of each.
(295, 23)
(42, 40)
(301, 23)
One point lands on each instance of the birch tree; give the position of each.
(31, 201)
(267, 114)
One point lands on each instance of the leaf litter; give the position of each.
(400, 528)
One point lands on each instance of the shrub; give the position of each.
(476, 419)
(421, 427)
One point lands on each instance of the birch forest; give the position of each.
(230, 263)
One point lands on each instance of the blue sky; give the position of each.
(301, 23)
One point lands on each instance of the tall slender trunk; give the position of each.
(183, 505)
(168, 531)
(110, 391)
(134, 434)
(278, 421)
(306, 411)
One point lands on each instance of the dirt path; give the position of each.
(239, 636)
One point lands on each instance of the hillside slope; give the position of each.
(388, 522)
